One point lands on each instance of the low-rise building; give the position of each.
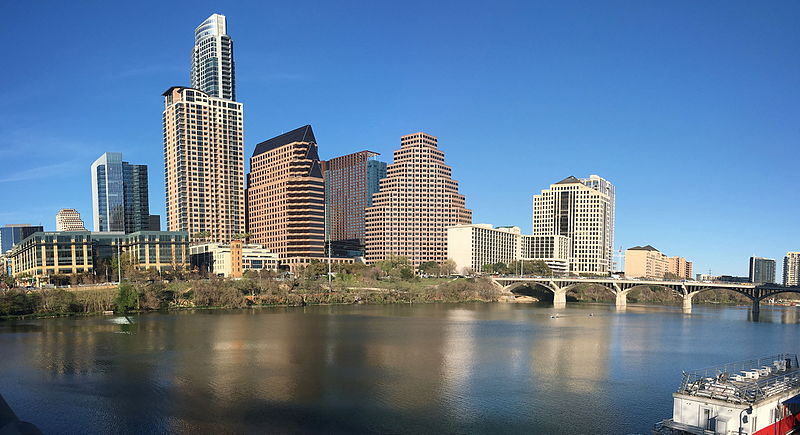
(473, 246)
(295, 264)
(232, 260)
(645, 262)
(44, 254)
(679, 267)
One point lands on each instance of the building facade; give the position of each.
(44, 254)
(474, 246)
(584, 214)
(11, 235)
(680, 267)
(231, 260)
(68, 219)
(791, 269)
(204, 164)
(416, 203)
(286, 195)
(119, 195)
(350, 182)
(212, 59)
(645, 262)
(762, 270)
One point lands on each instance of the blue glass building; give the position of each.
(119, 195)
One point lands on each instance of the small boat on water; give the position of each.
(753, 397)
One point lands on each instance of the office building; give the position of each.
(119, 195)
(286, 195)
(10, 235)
(350, 182)
(584, 214)
(204, 164)
(791, 269)
(154, 222)
(679, 268)
(645, 262)
(212, 59)
(473, 246)
(415, 204)
(233, 259)
(45, 254)
(68, 219)
(762, 270)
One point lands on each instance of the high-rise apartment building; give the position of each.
(286, 195)
(417, 201)
(11, 235)
(212, 59)
(583, 211)
(204, 164)
(762, 270)
(119, 195)
(791, 269)
(68, 219)
(350, 182)
(680, 267)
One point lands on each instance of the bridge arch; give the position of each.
(515, 288)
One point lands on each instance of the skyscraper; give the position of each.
(584, 212)
(791, 269)
(286, 195)
(119, 195)
(212, 59)
(416, 203)
(10, 235)
(350, 182)
(762, 270)
(68, 219)
(204, 164)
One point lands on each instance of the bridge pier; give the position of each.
(560, 299)
(756, 309)
(687, 303)
(622, 300)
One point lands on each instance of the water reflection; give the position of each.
(433, 368)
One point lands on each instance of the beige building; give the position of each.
(68, 219)
(582, 211)
(232, 260)
(645, 262)
(286, 195)
(791, 269)
(204, 164)
(473, 246)
(680, 268)
(64, 253)
(416, 202)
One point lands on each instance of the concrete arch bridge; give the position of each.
(621, 287)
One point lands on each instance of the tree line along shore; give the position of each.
(387, 282)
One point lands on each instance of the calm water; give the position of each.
(484, 368)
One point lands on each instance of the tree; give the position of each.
(429, 268)
(127, 297)
(448, 267)
(201, 236)
(242, 236)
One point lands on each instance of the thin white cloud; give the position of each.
(36, 173)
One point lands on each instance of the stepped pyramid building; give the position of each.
(416, 203)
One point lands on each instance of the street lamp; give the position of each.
(743, 419)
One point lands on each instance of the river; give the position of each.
(460, 368)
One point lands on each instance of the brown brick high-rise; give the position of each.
(416, 202)
(286, 195)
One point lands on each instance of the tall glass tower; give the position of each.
(212, 59)
(119, 195)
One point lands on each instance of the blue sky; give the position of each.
(689, 108)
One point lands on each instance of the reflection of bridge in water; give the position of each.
(621, 287)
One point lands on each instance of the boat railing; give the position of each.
(744, 381)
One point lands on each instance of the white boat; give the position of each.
(753, 397)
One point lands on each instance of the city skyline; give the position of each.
(709, 232)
